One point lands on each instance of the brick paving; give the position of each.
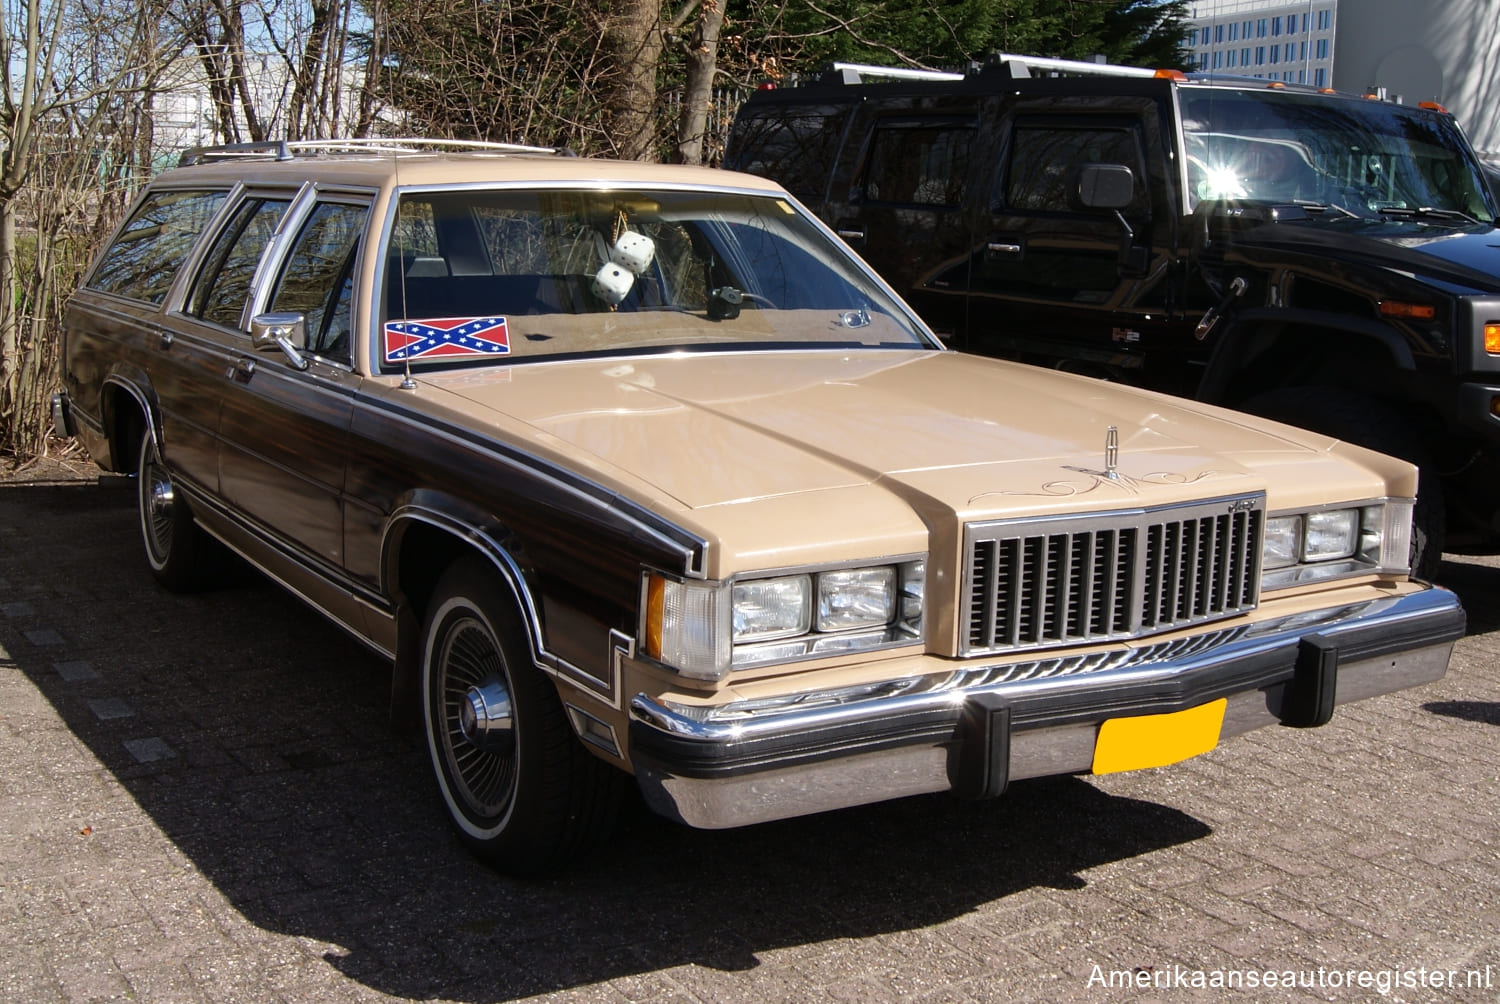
(200, 802)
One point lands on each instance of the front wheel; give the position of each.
(518, 785)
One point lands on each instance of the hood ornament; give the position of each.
(1112, 453)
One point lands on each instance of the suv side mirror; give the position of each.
(284, 331)
(1111, 187)
(1105, 186)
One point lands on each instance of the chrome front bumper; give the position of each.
(974, 730)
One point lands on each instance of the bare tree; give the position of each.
(70, 139)
(700, 48)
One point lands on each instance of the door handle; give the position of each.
(851, 231)
(1004, 247)
(241, 370)
(163, 338)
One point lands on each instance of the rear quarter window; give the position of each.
(145, 255)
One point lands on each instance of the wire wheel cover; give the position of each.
(470, 658)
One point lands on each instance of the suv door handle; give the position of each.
(1004, 247)
(163, 338)
(851, 231)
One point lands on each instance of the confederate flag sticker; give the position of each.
(441, 339)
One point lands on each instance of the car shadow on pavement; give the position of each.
(254, 736)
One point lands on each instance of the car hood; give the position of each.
(943, 432)
(1467, 256)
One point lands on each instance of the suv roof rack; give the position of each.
(1023, 66)
(290, 149)
(854, 73)
(1018, 67)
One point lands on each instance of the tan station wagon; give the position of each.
(636, 470)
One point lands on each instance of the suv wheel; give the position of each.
(1365, 422)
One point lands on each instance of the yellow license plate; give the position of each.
(1157, 740)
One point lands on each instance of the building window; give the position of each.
(1245, 56)
(1291, 51)
(1260, 55)
(1202, 60)
(1218, 34)
(1260, 28)
(1320, 76)
(1325, 19)
(1229, 59)
(1275, 54)
(1218, 60)
(1275, 26)
(1322, 48)
(1192, 39)
(1301, 76)
(1234, 31)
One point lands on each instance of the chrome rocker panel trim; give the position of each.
(756, 761)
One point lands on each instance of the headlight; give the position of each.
(1329, 543)
(1283, 545)
(766, 609)
(703, 629)
(858, 598)
(1333, 534)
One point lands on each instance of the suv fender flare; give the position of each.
(1253, 332)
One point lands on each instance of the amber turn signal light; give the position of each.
(1492, 338)
(1415, 311)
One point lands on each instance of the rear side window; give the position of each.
(918, 165)
(1045, 160)
(794, 148)
(223, 286)
(151, 247)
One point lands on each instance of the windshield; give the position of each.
(496, 276)
(1365, 158)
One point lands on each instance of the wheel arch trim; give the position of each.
(485, 538)
(1240, 339)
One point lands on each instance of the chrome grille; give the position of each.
(1067, 580)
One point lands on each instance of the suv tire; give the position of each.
(1370, 423)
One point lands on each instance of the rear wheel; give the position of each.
(1365, 422)
(519, 787)
(177, 549)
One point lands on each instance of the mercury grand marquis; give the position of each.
(636, 471)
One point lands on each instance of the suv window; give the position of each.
(923, 165)
(317, 279)
(145, 257)
(796, 147)
(1045, 158)
(223, 284)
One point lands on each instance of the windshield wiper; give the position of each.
(1323, 207)
(1426, 212)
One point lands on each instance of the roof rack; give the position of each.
(1023, 66)
(854, 73)
(1018, 67)
(290, 149)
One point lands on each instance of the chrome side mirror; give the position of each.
(284, 331)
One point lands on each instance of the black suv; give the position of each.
(1327, 259)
